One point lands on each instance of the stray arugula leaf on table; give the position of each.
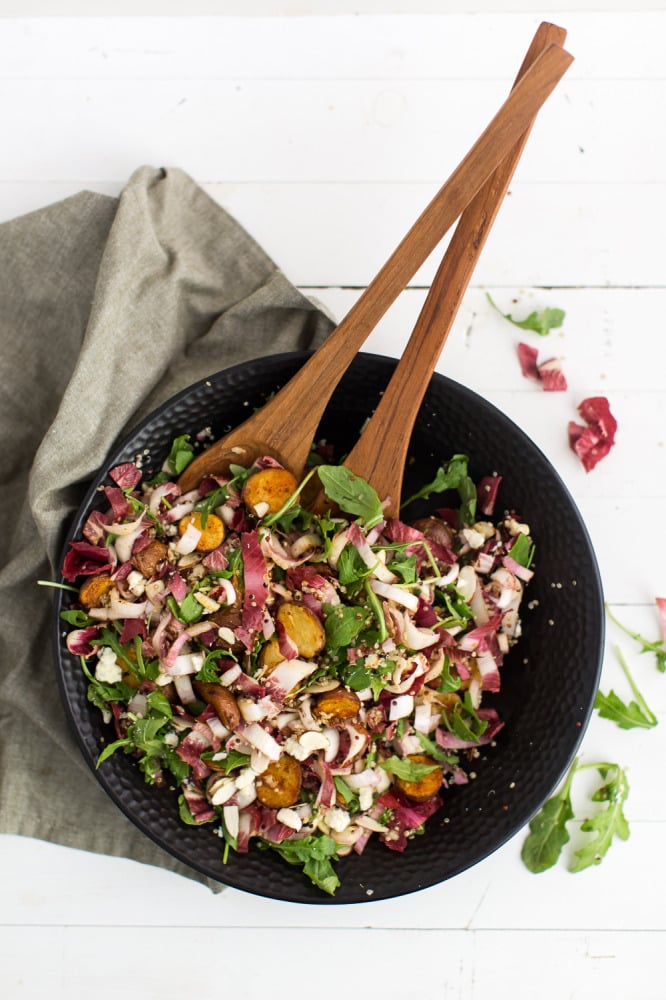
(658, 647)
(548, 833)
(539, 322)
(635, 714)
(608, 822)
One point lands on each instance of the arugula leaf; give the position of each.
(349, 797)
(657, 647)
(635, 715)
(78, 618)
(407, 770)
(233, 760)
(447, 681)
(607, 823)
(351, 493)
(314, 853)
(540, 322)
(343, 623)
(548, 833)
(522, 550)
(435, 751)
(463, 721)
(447, 477)
(352, 571)
(452, 476)
(181, 454)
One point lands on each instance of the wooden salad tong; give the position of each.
(286, 426)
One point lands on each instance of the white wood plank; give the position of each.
(467, 965)
(330, 130)
(340, 234)
(386, 47)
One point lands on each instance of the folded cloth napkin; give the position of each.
(107, 308)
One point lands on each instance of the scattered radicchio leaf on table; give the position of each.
(548, 373)
(593, 442)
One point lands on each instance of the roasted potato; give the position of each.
(95, 589)
(267, 490)
(436, 529)
(426, 787)
(280, 784)
(270, 655)
(303, 628)
(228, 619)
(212, 534)
(221, 700)
(148, 559)
(338, 705)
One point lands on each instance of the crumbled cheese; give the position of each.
(515, 527)
(337, 819)
(473, 538)
(108, 670)
(136, 583)
(171, 739)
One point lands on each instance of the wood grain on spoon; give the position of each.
(380, 454)
(286, 426)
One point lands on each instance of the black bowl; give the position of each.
(549, 679)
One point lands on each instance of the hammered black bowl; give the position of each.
(549, 679)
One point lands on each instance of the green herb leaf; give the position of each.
(181, 454)
(190, 610)
(657, 647)
(548, 833)
(452, 476)
(448, 682)
(314, 854)
(407, 770)
(522, 550)
(77, 618)
(540, 322)
(351, 493)
(343, 623)
(435, 751)
(635, 715)
(111, 748)
(607, 823)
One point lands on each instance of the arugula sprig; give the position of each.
(452, 476)
(657, 647)
(635, 714)
(351, 493)
(539, 322)
(315, 855)
(548, 829)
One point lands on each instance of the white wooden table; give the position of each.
(326, 137)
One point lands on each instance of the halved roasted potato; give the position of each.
(212, 533)
(280, 784)
(303, 628)
(266, 491)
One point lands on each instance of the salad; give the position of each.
(304, 681)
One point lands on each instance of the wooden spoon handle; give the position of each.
(287, 424)
(380, 454)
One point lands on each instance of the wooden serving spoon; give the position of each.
(286, 426)
(380, 454)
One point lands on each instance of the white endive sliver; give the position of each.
(396, 594)
(422, 717)
(231, 816)
(184, 689)
(401, 707)
(230, 675)
(188, 540)
(290, 818)
(229, 590)
(258, 738)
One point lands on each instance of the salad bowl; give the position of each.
(549, 678)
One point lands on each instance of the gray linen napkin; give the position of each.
(107, 308)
